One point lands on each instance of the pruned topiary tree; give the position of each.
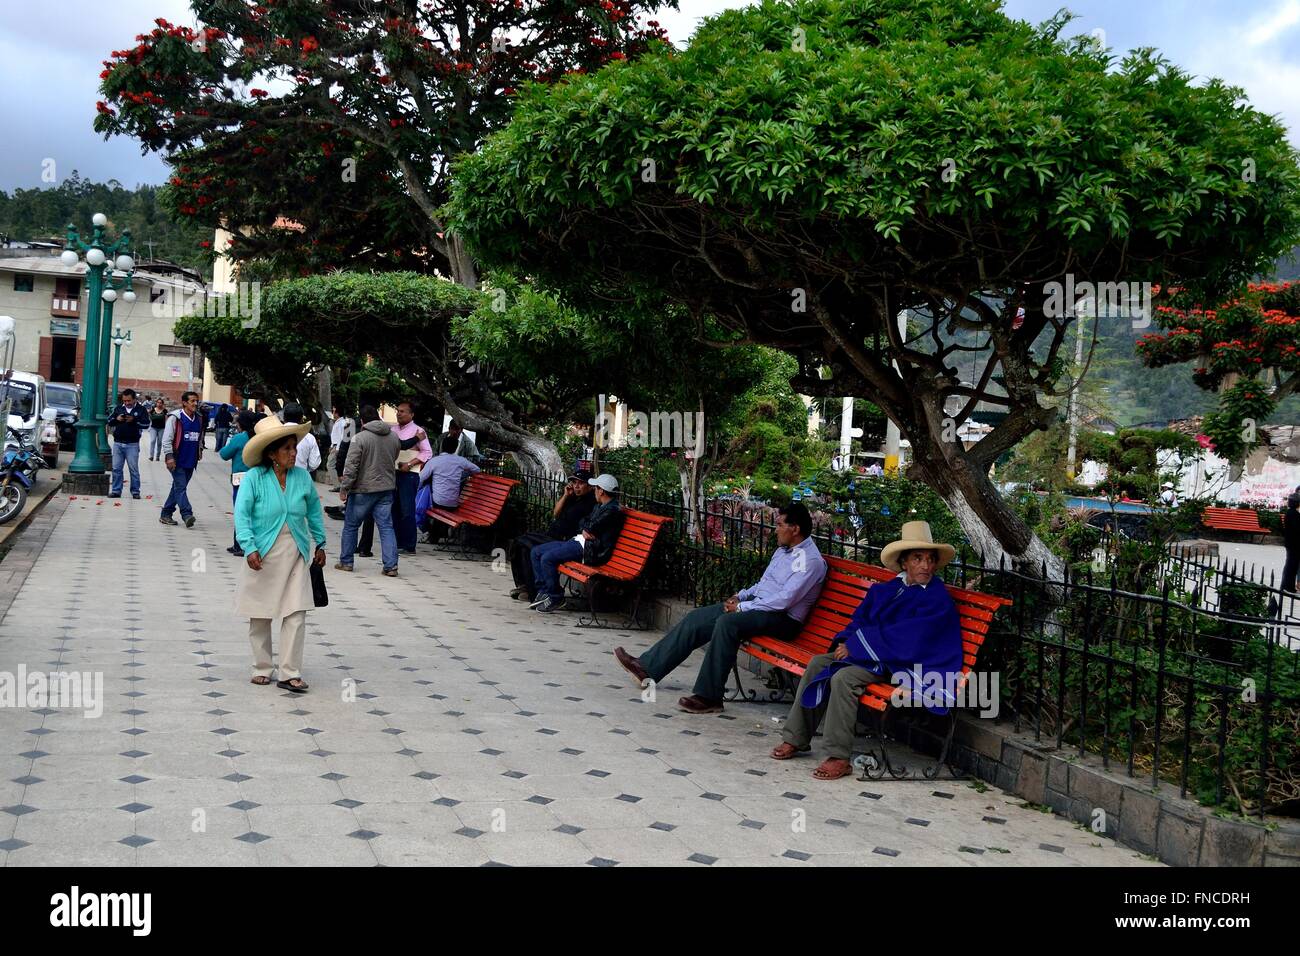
(806, 171)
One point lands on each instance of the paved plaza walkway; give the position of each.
(479, 731)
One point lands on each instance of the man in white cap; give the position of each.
(592, 545)
(907, 626)
(1167, 496)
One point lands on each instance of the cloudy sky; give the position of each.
(50, 57)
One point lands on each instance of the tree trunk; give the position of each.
(996, 532)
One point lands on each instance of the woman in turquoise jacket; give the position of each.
(231, 451)
(280, 527)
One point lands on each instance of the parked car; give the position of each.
(65, 399)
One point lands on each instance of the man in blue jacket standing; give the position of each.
(127, 420)
(183, 441)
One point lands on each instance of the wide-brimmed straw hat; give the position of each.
(915, 535)
(270, 429)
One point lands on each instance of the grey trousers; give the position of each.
(723, 633)
(838, 714)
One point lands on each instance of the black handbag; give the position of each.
(318, 592)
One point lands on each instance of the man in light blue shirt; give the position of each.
(776, 606)
(445, 471)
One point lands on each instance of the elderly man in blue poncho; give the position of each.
(906, 627)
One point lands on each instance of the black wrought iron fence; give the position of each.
(1192, 678)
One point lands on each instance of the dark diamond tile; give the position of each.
(253, 837)
(349, 804)
(702, 858)
(321, 753)
(568, 828)
(917, 823)
(791, 795)
(753, 824)
(941, 795)
(18, 809)
(571, 752)
(243, 805)
(34, 754)
(797, 855)
(446, 802)
(363, 834)
(628, 798)
(236, 777)
(426, 775)
(1051, 848)
(225, 731)
(468, 832)
(970, 849)
(230, 753)
(597, 773)
(666, 827)
(885, 851)
(514, 774)
(539, 800)
(13, 844)
(135, 807)
(28, 780)
(135, 840)
(713, 796)
(408, 752)
(311, 731)
(134, 753)
(601, 861)
(994, 819)
(832, 822)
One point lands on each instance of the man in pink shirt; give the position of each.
(413, 439)
(415, 452)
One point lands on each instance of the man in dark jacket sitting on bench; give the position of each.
(575, 504)
(593, 544)
(776, 607)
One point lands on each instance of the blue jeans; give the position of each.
(155, 442)
(220, 438)
(549, 556)
(408, 483)
(130, 453)
(360, 506)
(180, 481)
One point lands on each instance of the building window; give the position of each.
(23, 282)
(157, 294)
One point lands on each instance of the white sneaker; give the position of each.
(540, 601)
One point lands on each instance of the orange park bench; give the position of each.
(844, 588)
(481, 502)
(625, 567)
(1233, 519)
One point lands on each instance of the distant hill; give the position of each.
(45, 213)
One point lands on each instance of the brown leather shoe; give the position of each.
(632, 666)
(699, 705)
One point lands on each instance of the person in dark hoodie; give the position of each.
(366, 488)
(593, 545)
(1291, 538)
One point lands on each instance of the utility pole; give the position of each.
(893, 438)
(1072, 406)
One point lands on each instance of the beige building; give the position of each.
(48, 300)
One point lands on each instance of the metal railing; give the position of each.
(1191, 677)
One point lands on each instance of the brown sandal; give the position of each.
(788, 751)
(260, 681)
(832, 768)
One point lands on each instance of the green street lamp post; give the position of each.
(113, 284)
(120, 339)
(87, 472)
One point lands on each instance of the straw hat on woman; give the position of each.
(278, 521)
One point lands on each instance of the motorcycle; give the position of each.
(18, 469)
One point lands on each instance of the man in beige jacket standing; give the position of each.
(366, 489)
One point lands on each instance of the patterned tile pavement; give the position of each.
(446, 724)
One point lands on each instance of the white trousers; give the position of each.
(293, 629)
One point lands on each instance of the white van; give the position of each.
(24, 392)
